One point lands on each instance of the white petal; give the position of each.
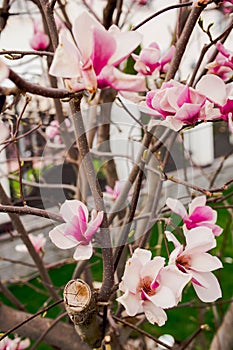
(199, 240)
(4, 71)
(164, 297)
(70, 208)
(205, 262)
(213, 87)
(83, 252)
(131, 302)
(131, 275)
(212, 292)
(152, 268)
(177, 207)
(61, 241)
(154, 314)
(66, 60)
(171, 238)
(143, 255)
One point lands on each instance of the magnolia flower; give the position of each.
(194, 261)
(91, 60)
(150, 59)
(40, 40)
(222, 66)
(77, 231)
(150, 287)
(199, 214)
(53, 130)
(37, 241)
(14, 344)
(220, 94)
(176, 103)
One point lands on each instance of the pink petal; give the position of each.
(83, 28)
(70, 208)
(131, 303)
(126, 43)
(205, 262)
(213, 88)
(4, 71)
(210, 293)
(177, 207)
(154, 314)
(188, 113)
(201, 214)
(83, 252)
(199, 201)
(152, 268)
(73, 229)
(61, 241)
(112, 77)
(40, 41)
(104, 47)
(66, 60)
(184, 97)
(94, 225)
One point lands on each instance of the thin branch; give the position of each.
(31, 211)
(20, 54)
(172, 7)
(37, 89)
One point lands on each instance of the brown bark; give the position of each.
(223, 339)
(61, 336)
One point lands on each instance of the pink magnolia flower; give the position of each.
(199, 214)
(220, 94)
(77, 231)
(223, 64)
(150, 287)
(40, 40)
(176, 103)
(53, 130)
(194, 260)
(91, 61)
(150, 59)
(38, 242)
(14, 344)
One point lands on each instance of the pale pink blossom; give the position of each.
(220, 94)
(40, 40)
(176, 103)
(194, 260)
(53, 130)
(150, 287)
(199, 214)
(77, 231)
(38, 242)
(14, 344)
(150, 59)
(90, 62)
(222, 66)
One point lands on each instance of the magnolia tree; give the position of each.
(144, 243)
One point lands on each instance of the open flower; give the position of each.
(199, 214)
(150, 59)
(222, 66)
(176, 103)
(14, 344)
(150, 287)
(220, 94)
(116, 191)
(194, 260)
(91, 61)
(37, 241)
(77, 231)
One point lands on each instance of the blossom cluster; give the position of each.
(14, 344)
(151, 287)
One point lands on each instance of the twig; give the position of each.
(11, 297)
(26, 53)
(176, 6)
(31, 318)
(31, 211)
(193, 336)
